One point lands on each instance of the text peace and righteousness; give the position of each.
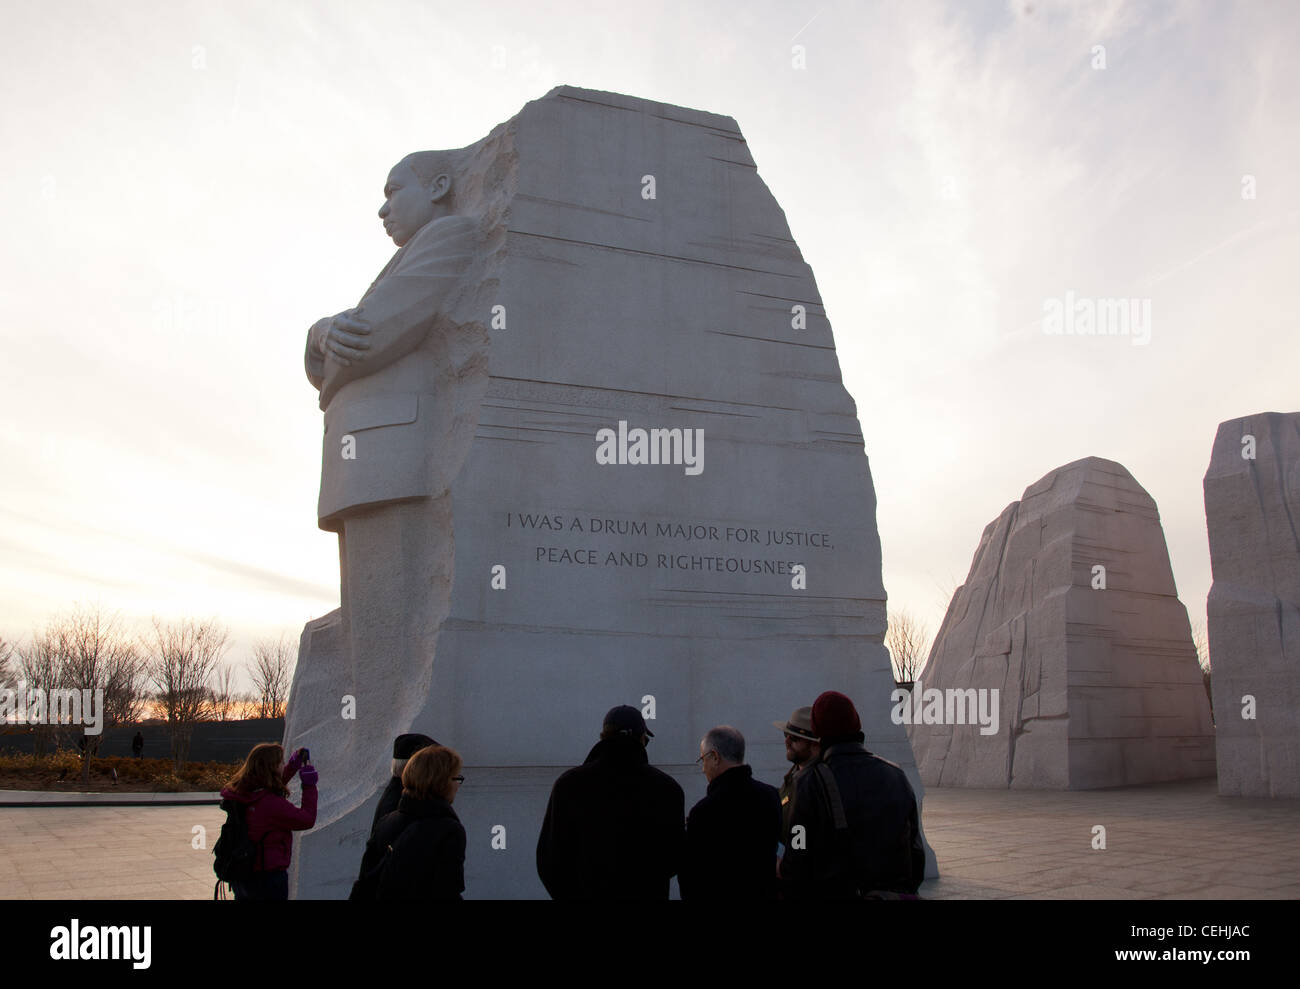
(663, 561)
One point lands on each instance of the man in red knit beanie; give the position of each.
(860, 829)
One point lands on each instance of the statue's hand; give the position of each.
(345, 339)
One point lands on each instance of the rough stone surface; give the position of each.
(1252, 511)
(647, 277)
(1098, 687)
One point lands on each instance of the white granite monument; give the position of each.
(1252, 512)
(1070, 614)
(586, 444)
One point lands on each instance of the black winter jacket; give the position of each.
(388, 802)
(428, 857)
(613, 828)
(881, 848)
(731, 840)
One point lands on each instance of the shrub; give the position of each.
(207, 776)
(168, 782)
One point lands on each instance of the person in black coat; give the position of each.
(404, 746)
(876, 844)
(614, 826)
(733, 833)
(418, 851)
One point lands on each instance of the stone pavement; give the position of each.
(1170, 841)
(107, 853)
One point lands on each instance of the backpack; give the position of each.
(367, 884)
(235, 855)
(831, 795)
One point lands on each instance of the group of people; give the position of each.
(843, 825)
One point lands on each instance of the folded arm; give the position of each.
(396, 314)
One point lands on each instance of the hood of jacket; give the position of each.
(618, 750)
(847, 743)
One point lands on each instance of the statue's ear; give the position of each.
(439, 187)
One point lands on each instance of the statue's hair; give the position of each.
(428, 165)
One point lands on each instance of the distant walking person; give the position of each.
(418, 851)
(732, 834)
(259, 789)
(802, 749)
(137, 746)
(614, 825)
(854, 829)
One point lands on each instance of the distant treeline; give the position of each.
(211, 741)
(177, 672)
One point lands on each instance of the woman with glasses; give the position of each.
(418, 851)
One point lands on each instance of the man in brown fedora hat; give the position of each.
(855, 829)
(802, 749)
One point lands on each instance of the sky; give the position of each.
(188, 186)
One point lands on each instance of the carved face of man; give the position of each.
(408, 204)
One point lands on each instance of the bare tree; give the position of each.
(38, 671)
(184, 657)
(945, 590)
(90, 659)
(223, 692)
(246, 706)
(98, 657)
(906, 638)
(1202, 643)
(271, 671)
(6, 677)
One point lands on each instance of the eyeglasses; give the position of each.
(707, 754)
(459, 779)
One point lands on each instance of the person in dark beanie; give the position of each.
(404, 746)
(860, 829)
(418, 851)
(614, 826)
(733, 833)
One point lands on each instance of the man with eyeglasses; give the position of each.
(614, 825)
(733, 833)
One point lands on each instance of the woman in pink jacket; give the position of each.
(260, 786)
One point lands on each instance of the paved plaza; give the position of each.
(1170, 841)
(1173, 841)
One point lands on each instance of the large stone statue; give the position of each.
(640, 283)
(1071, 615)
(1252, 512)
(393, 373)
